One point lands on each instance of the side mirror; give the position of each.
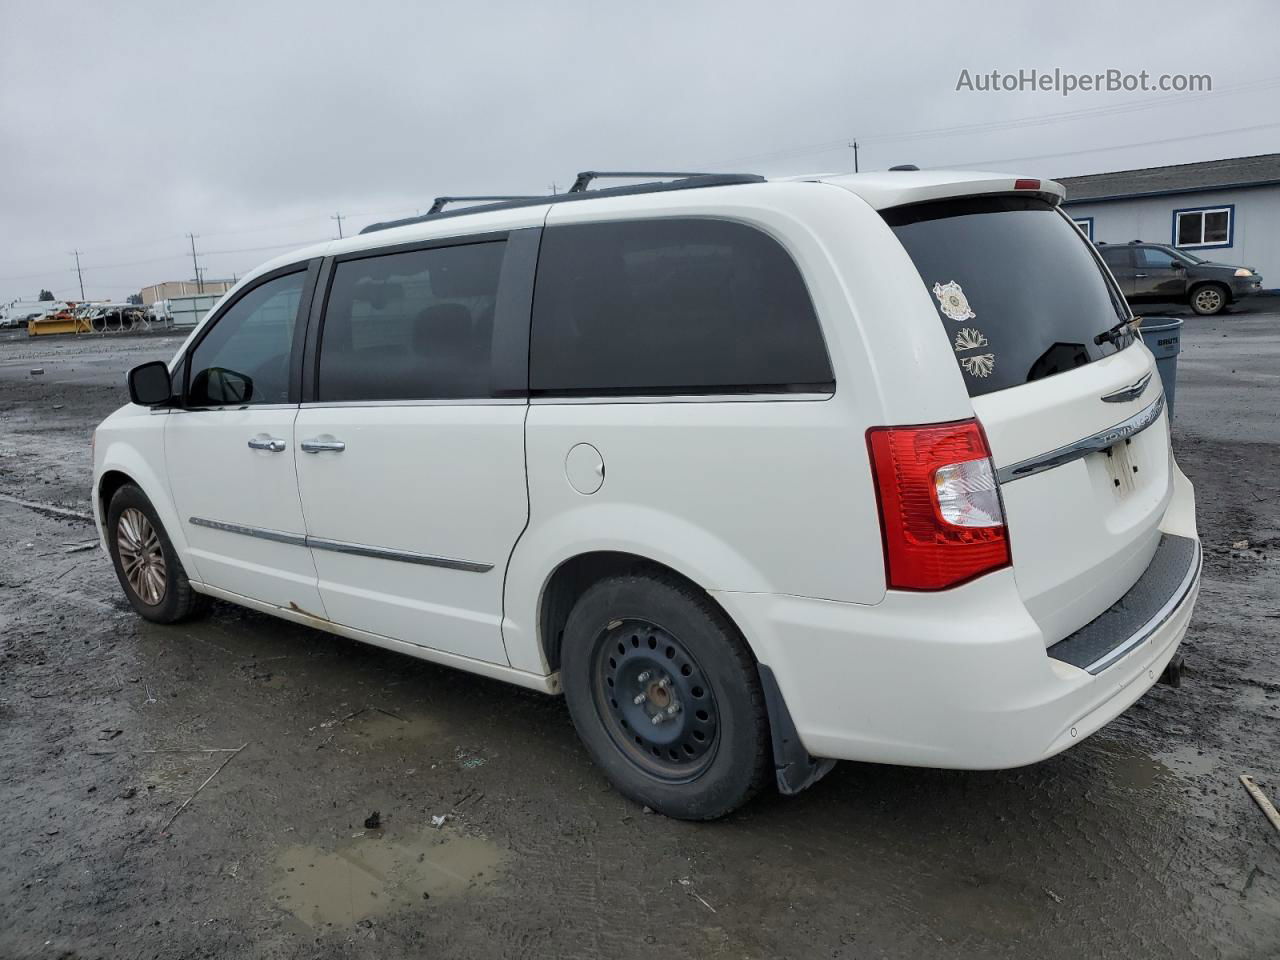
(1179, 265)
(218, 386)
(149, 384)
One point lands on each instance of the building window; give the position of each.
(1085, 224)
(1204, 227)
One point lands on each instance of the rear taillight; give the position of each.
(940, 509)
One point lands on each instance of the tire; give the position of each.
(654, 637)
(1208, 299)
(156, 586)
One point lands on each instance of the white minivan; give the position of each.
(758, 474)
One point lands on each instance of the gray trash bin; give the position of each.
(1163, 337)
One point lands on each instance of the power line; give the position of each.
(1116, 146)
(829, 146)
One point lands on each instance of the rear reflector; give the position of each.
(940, 512)
(1025, 184)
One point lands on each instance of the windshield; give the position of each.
(1020, 294)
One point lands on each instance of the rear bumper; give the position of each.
(959, 679)
(960, 684)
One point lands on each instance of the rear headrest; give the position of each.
(444, 327)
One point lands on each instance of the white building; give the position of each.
(1224, 210)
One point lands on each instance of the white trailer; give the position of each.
(188, 311)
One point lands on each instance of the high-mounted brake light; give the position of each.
(1024, 183)
(940, 511)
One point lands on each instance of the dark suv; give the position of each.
(1155, 273)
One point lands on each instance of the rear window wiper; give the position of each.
(1122, 330)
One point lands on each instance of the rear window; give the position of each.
(1019, 293)
(671, 306)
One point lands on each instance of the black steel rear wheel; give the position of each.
(665, 695)
(654, 700)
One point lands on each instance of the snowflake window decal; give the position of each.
(952, 301)
(980, 365)
(969, 339)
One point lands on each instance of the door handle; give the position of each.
(318, 445)
(274, 444)
(1140, 276)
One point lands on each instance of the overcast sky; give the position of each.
(125, 126)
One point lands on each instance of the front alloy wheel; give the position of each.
(1208, 301)
(144, 559)
(141, 556)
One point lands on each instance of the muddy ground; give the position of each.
(1139, 842)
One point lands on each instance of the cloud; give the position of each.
(124, 127)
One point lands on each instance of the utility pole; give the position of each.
(339, 217)
(854, 144)
(195, 264)
(76, 254)
(555, 188)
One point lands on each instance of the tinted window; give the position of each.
(1018, 292)
(1190, 227)
(411, 326)
(703, 306)
(1154, 258)
(244, 358)
(1117, 257)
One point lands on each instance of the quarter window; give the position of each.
(671, 306)
(244, 358)
(1210, 227)
(411, 326)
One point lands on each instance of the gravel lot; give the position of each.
(1140, 842)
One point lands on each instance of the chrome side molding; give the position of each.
(262, 533)
(342, 546)
(404, 556)
(1082, 448)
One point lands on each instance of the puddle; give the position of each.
(1133, 770)
(1188, 761)
(375, 875)
(376, 728)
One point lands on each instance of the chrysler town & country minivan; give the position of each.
(758, 474)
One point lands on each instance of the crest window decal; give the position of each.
(952, 301)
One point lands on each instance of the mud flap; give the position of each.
(794, 768)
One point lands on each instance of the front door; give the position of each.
(230, 451)
(411, 473)
(1157, 276)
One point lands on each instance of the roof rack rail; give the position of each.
(679, 181)
(585, 178)
(438, 203)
